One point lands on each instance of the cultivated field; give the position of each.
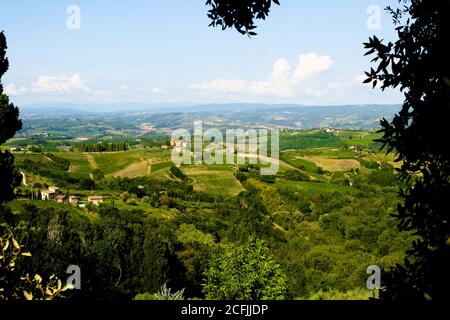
(334, 164)
(79, 162)
(134, 170)
(111, 163)
(214, 181)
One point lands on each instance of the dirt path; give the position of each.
(91, 160)
(268, 160)
(24, 178)
(147, 161)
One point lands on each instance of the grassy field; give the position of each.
(143, 162)
(160, 166)
(38, 157)
(162, 175)
(133, 163)
(111, 163)
(79, 162)
(359, 138)
(138, 169)
(311, 188)
(334, 164)
(293, 159)
(305, 140)
(332, 153)
(92, 163)
(154, 155)
(213, 180)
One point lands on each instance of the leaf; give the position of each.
(15, 243)
(48, 292)
(38, 278)
(28, 295)
(6, 245)
(59, 284)
(427, 296)
(68, 286)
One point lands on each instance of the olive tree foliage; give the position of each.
(15, 285)
(9, 124)
(418, 64)
(246, 272)
(239, 14)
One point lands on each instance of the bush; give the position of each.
(295, 175)
(163, 294)
(178, 173)
(246, 272)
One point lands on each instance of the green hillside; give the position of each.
(325, 216)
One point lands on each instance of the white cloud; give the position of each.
(284, 82)
(222, 85)
(316, 93)
(310, 64)
(12, 90)
(60, 84)
(158, 90)
(51, 84)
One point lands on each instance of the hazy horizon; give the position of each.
(181, 107)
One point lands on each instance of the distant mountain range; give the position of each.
(73, 108)
(284, 116)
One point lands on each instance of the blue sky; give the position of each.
(151, 51)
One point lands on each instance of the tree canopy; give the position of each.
(9, 125)
(417, 63)
(246, 272)
(239, 14)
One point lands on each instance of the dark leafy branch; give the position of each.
(417, 64)
(239, 14)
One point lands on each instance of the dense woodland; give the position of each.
(101, 147)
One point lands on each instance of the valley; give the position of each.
(325, 215)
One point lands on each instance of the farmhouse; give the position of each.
(47, 195)
(179, 143)
(60, 198)
(95, 200)
(332, 130)
(53, 193)
(73, 200)
(55, 190)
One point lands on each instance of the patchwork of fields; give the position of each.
(127, 164)
(315, 155)
(214, 180)
(326, 212)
